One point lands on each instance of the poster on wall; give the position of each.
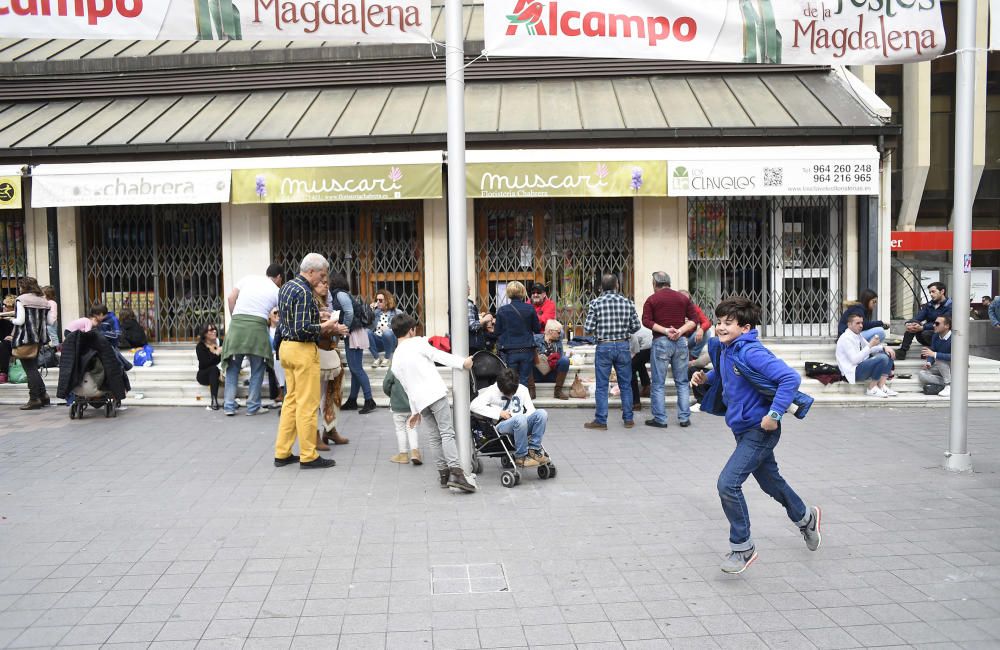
(346, 21)
(708, 232)
(834, 32)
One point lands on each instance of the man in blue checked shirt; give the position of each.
(612, 318)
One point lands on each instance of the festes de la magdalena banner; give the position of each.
(383, 21)
(836, 32)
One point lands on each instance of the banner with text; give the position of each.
(372, 21)
(324, 184)
(10, 192)
(545, 179)
(141, 188)
(835, 32)
(994, 24)
(773, 177)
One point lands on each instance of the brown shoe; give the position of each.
(443, 476)
(539, 456)
(456, 479)
(596, 425)
(32, 405)
(637, 406)
(402, 458)
(526, 461)
(560, 392)
(415, 457)
(644, 391)
(629, 424)
(334, 437)
(320, 445)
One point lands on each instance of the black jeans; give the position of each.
(4, 357)
(36, 387)
(923, 337)
(210, 377)
(639, 372)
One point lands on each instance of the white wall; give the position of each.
(246, 243)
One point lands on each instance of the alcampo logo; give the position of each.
(546, 19)
(680, 179)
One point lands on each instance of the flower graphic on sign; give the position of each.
(602, 171)
(636, 179)
(261, 187)
(395, 174)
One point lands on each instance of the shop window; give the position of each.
(13, 252)
(163, 262)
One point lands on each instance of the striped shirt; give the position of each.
(298, 311)
(612, 317)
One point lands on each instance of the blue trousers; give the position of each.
(523, 361)
(257, 369)
(359, 378)
(614, 355)
(385, 343)
(527, 430)
(675, 354)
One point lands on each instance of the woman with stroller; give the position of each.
(209, 351)
(516, 324)
(30, 333)
(382, 342)
(550, 348)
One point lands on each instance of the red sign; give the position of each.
(941, 240)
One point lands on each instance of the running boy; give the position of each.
(756, 423)
(510, 403)
(413, 367)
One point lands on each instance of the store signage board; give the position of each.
(138, 188)
(566, 179)
(834, 32)
(10, 188)
(348, 21)
(773, 177)
(941, 240)
(345, 183)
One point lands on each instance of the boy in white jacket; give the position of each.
(413, 366)
(510, 403)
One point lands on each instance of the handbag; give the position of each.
(28, 351)
(577, 389)
(47, 357)
(329, 359)
(542, 364)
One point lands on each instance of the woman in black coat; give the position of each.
(132, 336)
(209, 350)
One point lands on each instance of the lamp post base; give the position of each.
(957, 462)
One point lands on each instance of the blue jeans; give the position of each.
(674, 353)
(527, 430)
(561, 366)
(754, 454)
(257, 366)
(359, 378)
(617, 355)
(523, 361)
(696, 348)
(869, 333)
(873, 368)
(385, 343)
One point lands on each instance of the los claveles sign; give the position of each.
(823, 177)
(382, 21)
(568, 179)
(348, 183)
(836, 32)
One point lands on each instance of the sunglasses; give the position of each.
(938, 324)
(212, 329)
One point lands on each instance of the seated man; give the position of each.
(698, 339)
(509, 402)
(937, 369)
(921, 325)
(994, 312)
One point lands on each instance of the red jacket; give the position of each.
(702, 321)
(546, 312)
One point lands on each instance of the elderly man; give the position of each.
(544, 307)
(671, 316)
(612, 318)
(301, 326)
(250, 304)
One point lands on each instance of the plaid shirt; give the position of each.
(611, 317)
(298, 311)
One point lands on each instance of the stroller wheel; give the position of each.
(477, 465)
(505, 462)
(543, 472)
(72, 411)
(109, 409)
(508, 479)
(552, 470)
(517, 478)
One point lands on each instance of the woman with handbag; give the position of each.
(551, 363)
(31, 321)
(516, 324)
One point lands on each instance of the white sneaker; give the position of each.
(946, 392)
(875, 392)
(374, 364)
(889, 392)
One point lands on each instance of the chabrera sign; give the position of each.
(384, 21)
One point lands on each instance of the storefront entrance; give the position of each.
(13, 253)
(164, 262)
(785, 253)
(375, 245)
(567, 244)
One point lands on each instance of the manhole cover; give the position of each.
(468, 579)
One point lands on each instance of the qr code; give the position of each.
(773, 176)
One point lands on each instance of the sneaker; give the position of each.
(402, 458)
(685, 423)
(443, 476)
(810, 532)
(875, 392)
(889, 392)
(901, 354)
(946, 392)
(596, 425)
(539, 456)
(526, 461)
(230, 414)
(654, 423)
(318, 463)
(629, 424)
(281, 462)
(738, 561)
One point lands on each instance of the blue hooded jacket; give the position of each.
(745, 405)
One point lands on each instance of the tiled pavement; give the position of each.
(171, 529)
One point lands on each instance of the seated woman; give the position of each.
(865, 307)
(861, 360)
(209, 351)
(516, 325)
(382, 342)
(550, 348)
(132, 336)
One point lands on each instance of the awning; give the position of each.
(133, 183)
(360, 177)
(712, 171)
(10, 187)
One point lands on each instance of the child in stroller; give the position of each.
(505, 422)
(90, 375)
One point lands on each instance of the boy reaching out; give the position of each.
(510, 403)
(413, 367)
(755, 420)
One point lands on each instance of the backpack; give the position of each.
(715, 404)
(364, 315)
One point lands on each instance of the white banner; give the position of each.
(129, 188)
(373, 21)
(835, 32)
(819, 176)
(995, 24)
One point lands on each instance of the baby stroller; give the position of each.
(486, 440)
(90, 375)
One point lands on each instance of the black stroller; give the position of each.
(486, 440)
(90, 375)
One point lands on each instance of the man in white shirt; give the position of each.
(509, 402)
(861, 360)
(250, 303)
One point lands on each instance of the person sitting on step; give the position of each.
(859, 359)
(550, 348)
(937, 366)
